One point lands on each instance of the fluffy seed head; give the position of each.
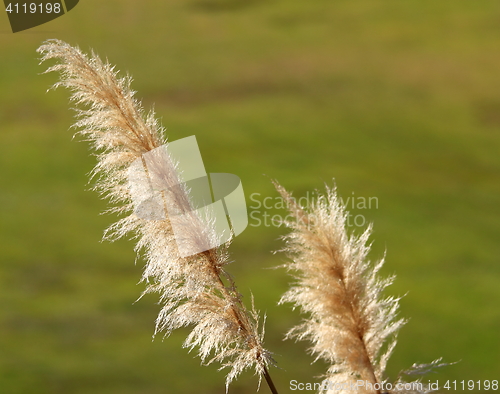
(196, 290)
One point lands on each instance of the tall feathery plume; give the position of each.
(350, 323)
(194, 290)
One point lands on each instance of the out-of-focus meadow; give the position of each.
(396, 100)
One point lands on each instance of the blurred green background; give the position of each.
(398, 100)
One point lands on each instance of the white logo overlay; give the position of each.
(205, 211)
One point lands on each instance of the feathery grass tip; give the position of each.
(194, 291)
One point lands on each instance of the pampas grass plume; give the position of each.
(350, 323)
(196, 290)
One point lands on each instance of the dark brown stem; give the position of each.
(269, 381)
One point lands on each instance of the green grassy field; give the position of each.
(395, 100)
